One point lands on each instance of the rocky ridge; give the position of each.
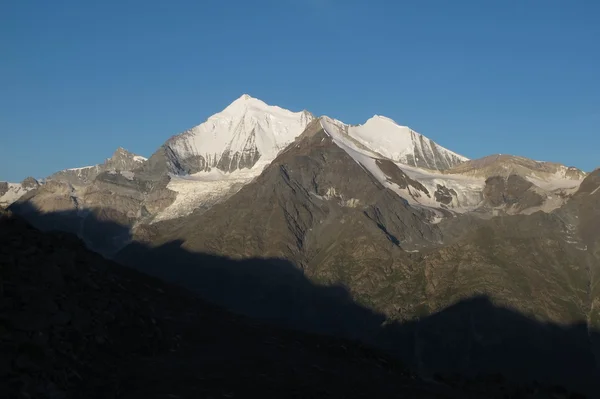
(323, 206)
(11, 192)
(73, 325)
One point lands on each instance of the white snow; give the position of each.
(556, 182)
(274, 129)
(204, 189)
(468, 189)
(595, 191)
(332, 194)
(139, 158)
(15, 191)
(367, 160)
(396, 142)
(82, 168)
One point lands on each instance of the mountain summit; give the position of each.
(121, 160)
(247, 131)
(386, 138)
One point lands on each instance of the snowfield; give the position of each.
(204, 189)
(246, 126)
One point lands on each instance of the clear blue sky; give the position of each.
(80, 78)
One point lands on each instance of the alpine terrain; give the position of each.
(448, 265)
(75, 325)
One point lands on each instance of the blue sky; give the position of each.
(80, 78)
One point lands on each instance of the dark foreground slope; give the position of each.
(74, 325)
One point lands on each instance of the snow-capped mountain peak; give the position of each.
(383, 136)
(380, 118)
(236, 138)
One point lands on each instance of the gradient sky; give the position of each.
(80, 78)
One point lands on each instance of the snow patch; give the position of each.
(82, 168)
(556, 182)
(332, 194)
(469, 190)
(205, 189)
(15, 191)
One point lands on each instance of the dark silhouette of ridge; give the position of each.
(470, 339)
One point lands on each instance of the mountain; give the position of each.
(76, 325)
(11, 192)
(213, 160)
(244, 133)
(121, 160)
(401, 144)
(222, 154)
(346, 215)
(407, 227)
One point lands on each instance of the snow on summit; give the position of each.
(402, 144)
(213, 160)
(237, 137)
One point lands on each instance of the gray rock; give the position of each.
(3, 188)
(30, 183)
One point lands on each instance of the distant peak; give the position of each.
(121, 150)
(245, 101)
(381, 118)
(30, 182)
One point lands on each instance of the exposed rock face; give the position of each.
(77, 176)
(506, 165)
(514, 193)
(444, 195)
(115, 193)
(325, 211)
(3, 188)
(54, 196)
(309, 196)
(11, 192)
(121, 160)
(102, 213)
(30, 183)
(397, 176)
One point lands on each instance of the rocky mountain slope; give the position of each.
(121, 161)
(73, 325)
(209, 163)
(342, 217)
(401, 225)
(191, 171)
(11, 192)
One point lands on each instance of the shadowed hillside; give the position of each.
(471, 338)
